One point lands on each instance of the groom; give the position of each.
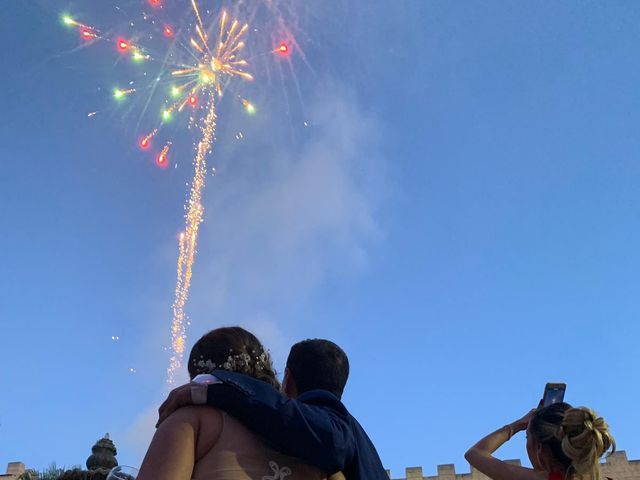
(310, 423)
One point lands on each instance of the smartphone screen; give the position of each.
(554, 393)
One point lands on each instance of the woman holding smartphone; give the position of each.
(563, 443)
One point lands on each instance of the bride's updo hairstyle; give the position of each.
(576, 438)
(233, 349)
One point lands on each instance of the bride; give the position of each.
(204, 443)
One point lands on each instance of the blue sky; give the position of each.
(461, 214)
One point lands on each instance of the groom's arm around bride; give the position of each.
(312, 424)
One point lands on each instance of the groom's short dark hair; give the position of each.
(318, 364)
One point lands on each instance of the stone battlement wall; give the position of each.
(617, 467)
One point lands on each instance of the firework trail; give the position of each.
(212, 67)
(188, 241)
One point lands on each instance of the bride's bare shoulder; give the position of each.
(207, 423)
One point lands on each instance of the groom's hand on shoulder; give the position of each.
(190, 394)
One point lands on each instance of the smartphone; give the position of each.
(553, 393)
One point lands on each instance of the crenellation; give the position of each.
(617, 457)
(14, 471)
(619, 467)
(413, 473)
(616, 466)
(447, 469)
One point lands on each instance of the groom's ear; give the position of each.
(289, 385)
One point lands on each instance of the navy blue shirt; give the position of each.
(315, 427)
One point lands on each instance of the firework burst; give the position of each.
(214, 59)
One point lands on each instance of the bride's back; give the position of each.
(239, 454)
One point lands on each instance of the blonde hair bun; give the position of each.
(586, 438)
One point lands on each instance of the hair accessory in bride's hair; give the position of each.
(234, 363)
